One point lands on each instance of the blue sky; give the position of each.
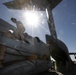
(65, 21)
(64, 17)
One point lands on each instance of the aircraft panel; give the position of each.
(4, 26)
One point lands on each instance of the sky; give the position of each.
(64, 15)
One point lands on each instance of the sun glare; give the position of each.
(32, 18)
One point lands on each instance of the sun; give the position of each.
(32, 18)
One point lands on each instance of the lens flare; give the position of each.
(32, 18)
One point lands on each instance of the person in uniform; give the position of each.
(20, 29)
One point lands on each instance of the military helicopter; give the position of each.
(33, 57)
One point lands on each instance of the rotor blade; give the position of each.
(72, 53)
(29, 4)
(14, 4)
(11, 5)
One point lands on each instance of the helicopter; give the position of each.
(57, 49)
